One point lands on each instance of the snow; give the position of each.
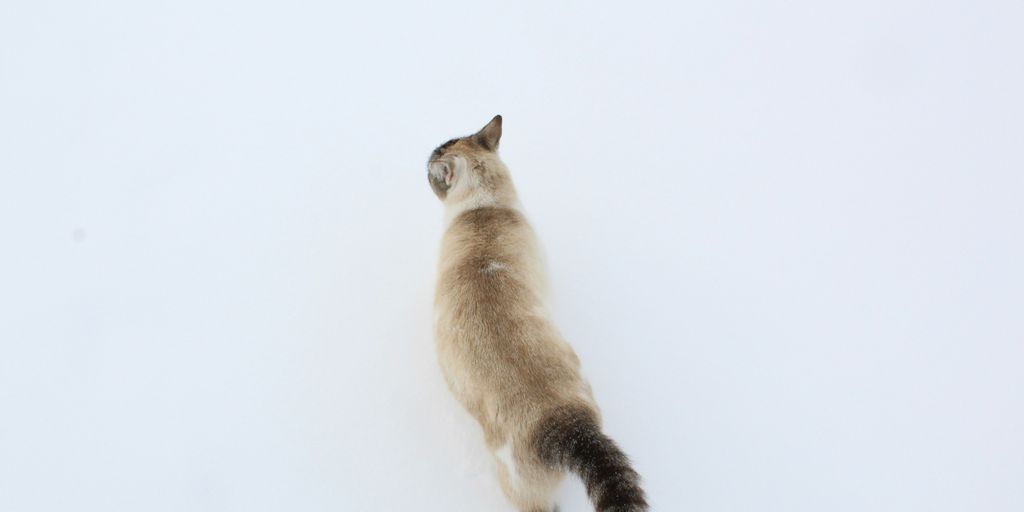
(783, 237)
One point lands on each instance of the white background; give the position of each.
(785, 239)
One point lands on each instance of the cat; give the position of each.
(501, 355)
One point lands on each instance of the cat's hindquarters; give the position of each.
(570, 438)
(528, 484)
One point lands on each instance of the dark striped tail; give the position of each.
(570, 438)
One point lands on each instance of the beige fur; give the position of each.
(502, 356)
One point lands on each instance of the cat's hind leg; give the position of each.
(528, 485)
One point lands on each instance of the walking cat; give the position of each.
(500, 353)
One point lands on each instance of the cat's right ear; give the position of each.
(489, 136)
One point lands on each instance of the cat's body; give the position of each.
(503, 358)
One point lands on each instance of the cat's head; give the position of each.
(470, 165)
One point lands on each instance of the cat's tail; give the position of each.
(570, 438)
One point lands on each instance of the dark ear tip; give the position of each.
(489, 136)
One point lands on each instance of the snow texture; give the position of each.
(785, 239)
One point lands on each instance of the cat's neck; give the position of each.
(479, 199)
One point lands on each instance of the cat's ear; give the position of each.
(489, 135)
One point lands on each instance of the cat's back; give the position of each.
(490, 291)
(488, 258)
(495, 339)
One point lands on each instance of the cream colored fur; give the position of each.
(501, 355)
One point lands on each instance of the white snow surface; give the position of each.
(785, 239)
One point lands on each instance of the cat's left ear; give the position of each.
(489, 135)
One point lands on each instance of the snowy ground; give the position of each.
(791, 260)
